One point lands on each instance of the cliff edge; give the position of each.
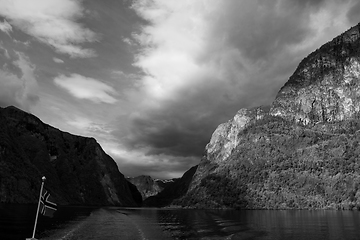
(77, 169)
(302, 152)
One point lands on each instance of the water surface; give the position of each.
(156, 224)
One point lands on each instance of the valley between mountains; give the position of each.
(300, 152)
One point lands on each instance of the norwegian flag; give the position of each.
(47, 207)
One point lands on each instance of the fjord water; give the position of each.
(156, 224)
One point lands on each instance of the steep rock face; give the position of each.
(225, 139)
(147, 186)
(136, 195)
(302, 153)
(163, 183)
(78, 171)
(173, 191)
(325, 87)
(226, 136)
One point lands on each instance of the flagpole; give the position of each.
(38, 207)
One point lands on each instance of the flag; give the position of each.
(48, 207)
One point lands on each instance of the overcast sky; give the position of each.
(151, 80)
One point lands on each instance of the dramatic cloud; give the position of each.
(167, 72)
(204, 60)
(135, 163)
(86, 88)
(5, 27)
(53, 22)
(18, 85)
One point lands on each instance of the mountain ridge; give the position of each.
(302, 153)
(78, 171)
(147, 186)
(172, 192)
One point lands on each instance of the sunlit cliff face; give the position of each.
(324, 88)
(326, 85)
(301, 135)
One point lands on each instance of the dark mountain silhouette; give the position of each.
(78, 171)
(172, 191)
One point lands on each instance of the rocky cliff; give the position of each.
(302, 152)
(78, 171)
(172, 192)
(148, 186)
(325, 87)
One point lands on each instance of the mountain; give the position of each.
(77, 170)
(173, 191)
(302, 152)
(163, 183)
(148, 186)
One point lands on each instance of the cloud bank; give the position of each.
(204, 60)
(5, 27)
(196, 63)
(86, 88)
(53, 22)
(18, 86)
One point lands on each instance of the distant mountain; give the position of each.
(148, 186)
(163, 183)
(171, 192)
(302, 152)
(78, 171)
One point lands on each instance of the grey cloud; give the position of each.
(5, 27)
(259, 31)
(184, 127)
(354, 14)
(32, 99)
(18, 85)
(157, 169)
(305, 3)
(249, 45)
(178, 138)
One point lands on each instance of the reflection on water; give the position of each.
(200, 224)
(154, 224)
(17, 221)
(255, 224)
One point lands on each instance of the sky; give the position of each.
(151, 80)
